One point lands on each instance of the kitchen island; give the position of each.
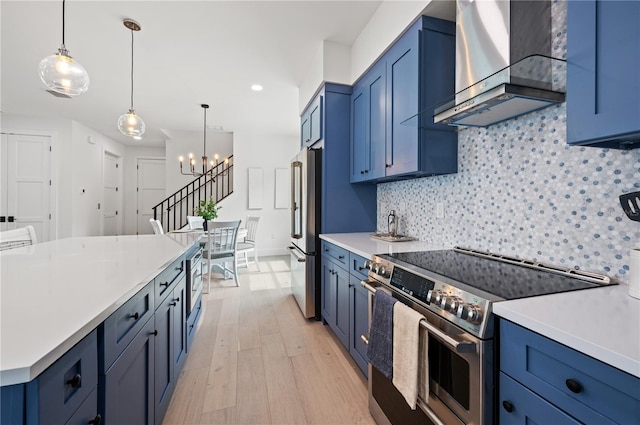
(57, 295)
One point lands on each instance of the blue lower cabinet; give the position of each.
(127, 387)
(179, 328)
(585, 388)
(192, 322)
(519, 406)
(345, 303)
(12, 404)
(55, 395)
(87, 413)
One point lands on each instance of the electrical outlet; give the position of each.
(439, 210)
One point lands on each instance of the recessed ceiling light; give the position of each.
(256, 87)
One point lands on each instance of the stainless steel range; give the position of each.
(455, 290)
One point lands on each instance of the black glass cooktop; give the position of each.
(504, 280)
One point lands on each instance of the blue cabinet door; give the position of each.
(402, 103)
(179, 327)
(315, 120)
(359, 133)
(341, 328)
(305, 129)
(163, 344)
(127, 387)
(328, 292)
(368, 123)
(603, 73)
(359, 305)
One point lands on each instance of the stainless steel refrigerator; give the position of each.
(306, 181)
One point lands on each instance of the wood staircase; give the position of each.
(216, 184)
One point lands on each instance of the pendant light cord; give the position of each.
(132, 70)
(63, 22)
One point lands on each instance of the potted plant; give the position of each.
(208, 210)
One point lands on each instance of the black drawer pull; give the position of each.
(360, 268)
(573, 385)
(164, 284)
(177, 299)
(508, 406)
(96, 421)
(172, 304)
(179, 268)
(76, 381)
(154, 333)
(340, 257)
(134, 316)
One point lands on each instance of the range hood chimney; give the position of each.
(503, 63)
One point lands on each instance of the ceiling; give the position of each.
(187, 53)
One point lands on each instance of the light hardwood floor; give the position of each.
(256, 360)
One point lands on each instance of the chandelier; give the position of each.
(207, 167)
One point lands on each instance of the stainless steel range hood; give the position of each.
(503, 63)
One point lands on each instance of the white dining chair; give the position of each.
(195, 222)
(221, 248)
(248, 245)
(16, 238)
(156, 226)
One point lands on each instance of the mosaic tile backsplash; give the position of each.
(521, 190)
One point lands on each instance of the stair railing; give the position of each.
(217, 183)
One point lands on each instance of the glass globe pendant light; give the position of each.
(61, 73)
(131, 124)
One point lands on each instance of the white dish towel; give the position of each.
(406, 343)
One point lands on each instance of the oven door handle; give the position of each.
(458, 346)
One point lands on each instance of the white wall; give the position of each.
(267, 152)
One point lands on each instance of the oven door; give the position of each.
(457, 367)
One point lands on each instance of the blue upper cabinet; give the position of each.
(311, 122)
(415, 73)
(368, 112)
(603, 73)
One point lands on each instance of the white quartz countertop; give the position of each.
(55, 293)
(366, 246)
(603, 323)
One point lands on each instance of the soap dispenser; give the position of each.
(392, 223)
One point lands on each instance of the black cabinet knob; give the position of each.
(154, 333)
(177, 299)
(573, 385)
(76, 381)
(172, 304)
(96, 421)
(508, 406)
(134, 316)
(340, 257)
(164, 284)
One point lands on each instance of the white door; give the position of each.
(25, 183)
(151, 191)
(112, 195)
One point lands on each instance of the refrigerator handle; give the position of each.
(296, 208)
(294, 252)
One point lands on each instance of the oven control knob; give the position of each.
(435, 296)
(470, 312)
(384, 272)
(452, 304)
(368, 264)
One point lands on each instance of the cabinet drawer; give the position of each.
(57, 393)
(339, 255)
(356, 266)
(122, 326)
(589, 390)
(168, 276)
(192, 322)
(87, 413)
(520, 406)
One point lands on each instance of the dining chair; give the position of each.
(195, 222)
(17, 238)
(221, 248)
(248, 245)
(156, 226)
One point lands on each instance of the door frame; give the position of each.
(53, 173)
(137, 194)
(120, 183)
